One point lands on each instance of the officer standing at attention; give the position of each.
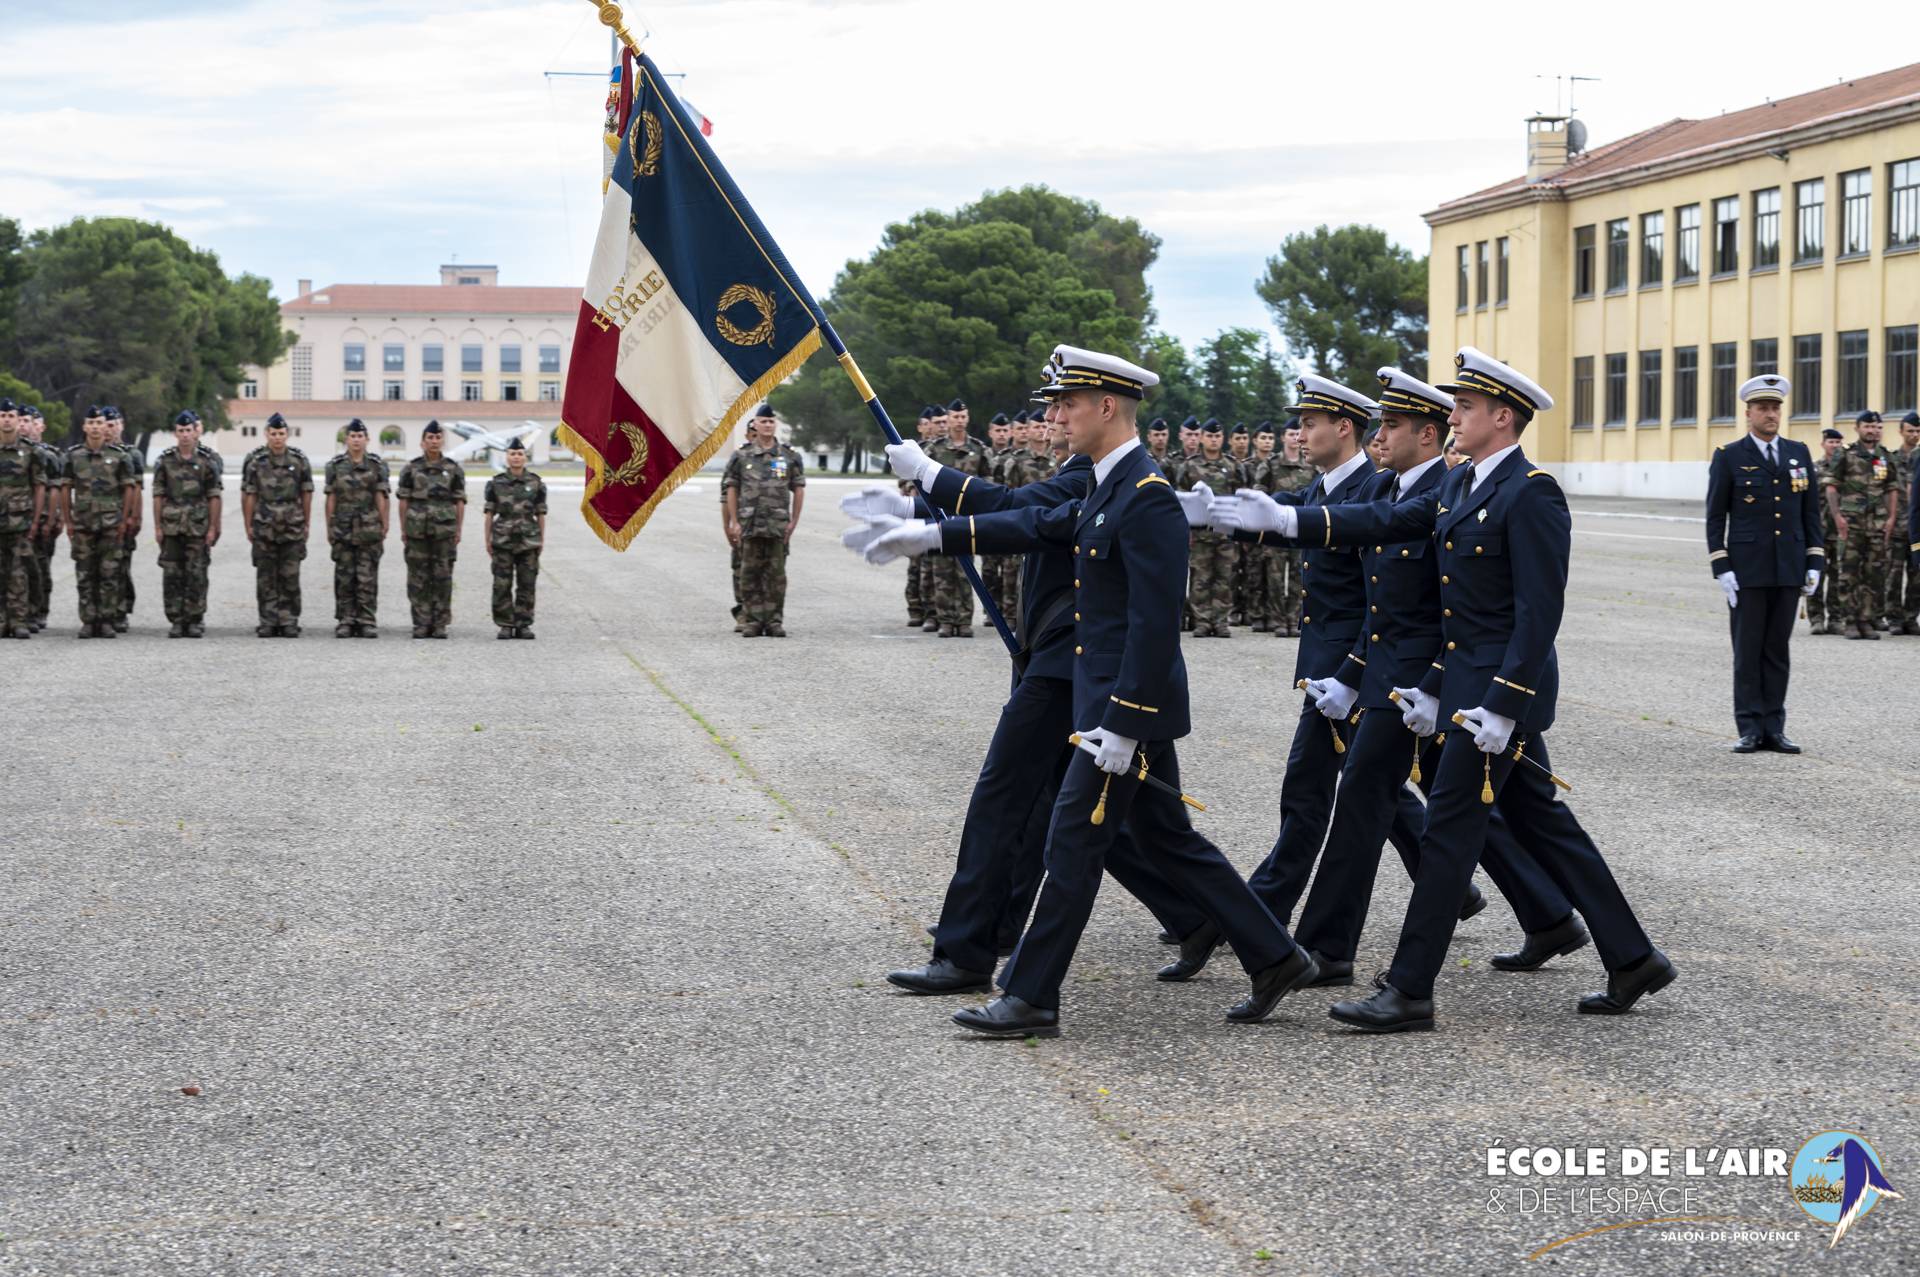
(1763, 544)
(23, 496)
(47, 531)
(516, 530)
(433, 506)
(116, 434)
(1210, 574)
(1502, 535)
(276, 508)
(952, 592)
(1128, 545)
(96, 499)
(1826, 595)
(994, 569)
(357, 519)
(1865, 503)
(1157, 445)
(1903, 589)
(1240, 450)
(921, 613)
(186, 524)
(765, 487)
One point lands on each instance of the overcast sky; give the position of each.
(371, 140)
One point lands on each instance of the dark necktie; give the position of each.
(1770, 460)
(1468, 490)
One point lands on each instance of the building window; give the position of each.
(390, 437)
(433, 359)
(509, 359)
(1653, 248)
(1502, 277)
(249, 390)
(1764, 357)
(510, 391)
(549, 359)
(1810, 214)
(392, 390)
(1686, 251)
(1726, 235)
(1583, 393)
(355, 357)
(1856, 211)
(1903, 368)
(1617, 255)
(471, 358)
(1726, 379)
(354, 389)
(1903, 204)
(467, 280)
(1686, 384)
(432, 390)
(1616, 390)
(1806, 376)
(393, 359)
(1480, 274)
(1649, 388)
(1853, 372)
(1766, 228)
(549, 392)
(300, 364)
(470, 391)
(1583, 261)
(1460, 298)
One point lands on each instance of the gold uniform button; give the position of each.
(1478, 548)
(1077, 650)
(1373, 638)
(1076, 616)
(1305, 619)
(1372, 609)
(1403, 554)
(1449, 545)
(1446, 580)
(1305, 566)
(1450, 647)
(1076, 582)
(1093, 554)
(1776, 532)
(1446, 611)
(1378, 548)
(1374, 579)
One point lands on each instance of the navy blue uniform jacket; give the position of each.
(1401, 637)
(1763, 522)
(1336, 601)
(1128, 549)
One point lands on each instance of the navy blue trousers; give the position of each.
(1379, 757)
(1024, 765)
(1762, 627)
(1158, 826)
(1457, 823)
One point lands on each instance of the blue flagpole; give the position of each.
(879, 412)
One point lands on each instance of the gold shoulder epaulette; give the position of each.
(1152, 478)
(1532, 473)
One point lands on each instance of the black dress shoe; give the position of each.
(1626, 987)
(1540, 946)
(1779, 743)
(1330, 971)
(1167, 937)
(1008, 1017)
(1747, 744)
(1269, 986)
(1387, 1011)
(1473, 904)
(940, 976)
(1195, 952)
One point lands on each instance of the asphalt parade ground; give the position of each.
(333, 956)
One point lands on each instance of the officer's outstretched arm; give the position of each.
(957, 492)
(1010, 531)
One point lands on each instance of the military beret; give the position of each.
(186, 416)
(1212, 426)
(764, 410)
(6, 405)
(1239, 428)
(1191, 423)
(1831, 433)
(1867, 418)
(1911, 419)
(431, 428)
(1020, 418)
(958, 405)
(927, 414)
(93, 410)
(1159, 423)
(516, 446)
(30, 411)
(354, 427)
(1264, 428)
(276, 420)
(1293, 423)
(999, 419)
(111, 412)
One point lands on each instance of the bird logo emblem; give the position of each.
(1837, 1179)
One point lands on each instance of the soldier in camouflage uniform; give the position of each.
(1240, 449)
(1210, 561)
(1826, 592)
(116, 432)
(766, 488)
(276, 510)
(46, 532)
(733, 546)
(96, 494)
(1157, 446)
(186, 524)
(1266, 570)
(1865, 506)
(1903, 585)
(920, 613)
(952, 593)
(433, 506)
(357, 518)
(23, 497)
(999, 571)
(1292, 473)
(515, 509)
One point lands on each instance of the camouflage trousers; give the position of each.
(917, 575)
(1863, 578)
(734, 564)
(1293, 596)
(126, 574)
(1266, 583)
(276, 580)
(513, 576)
(763, 580)
(430, 581)
(96, 574)
(1243, 580)
(40, 575)
(183, 578)
(1210, 581)
(952, 592)
(1903, 585)
(356, 582)
(16, 598)
(1001, 573)
(1816, 605)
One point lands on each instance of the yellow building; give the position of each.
(1642, 281)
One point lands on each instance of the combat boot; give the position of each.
(931, 627)
(196, 630)
(367, 631)
(420, 631)
(1911, 627)
(343, 630)
(120, 626)
(177, 630)
(506, 632)
(264, 631)
(963, 631)
(526, 632)
(774, 630)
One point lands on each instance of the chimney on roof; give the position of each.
(306, 286)
(1546, 146)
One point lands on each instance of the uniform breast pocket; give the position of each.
(1407, 550)
(1096, 546)
(1477, 545)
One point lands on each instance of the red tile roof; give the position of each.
(1679, 139)
(435, 299)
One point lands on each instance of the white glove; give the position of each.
(1194, 504)
(1251, 510)
(1111, 751)
(1331, 697)
(909, 462)
(863, 534)
(1491, 731)
(876, 499)
(1730, 587)
(1418, 710)
(912, 538)
(1813, 582)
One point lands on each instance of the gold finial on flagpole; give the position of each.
(610, 16)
